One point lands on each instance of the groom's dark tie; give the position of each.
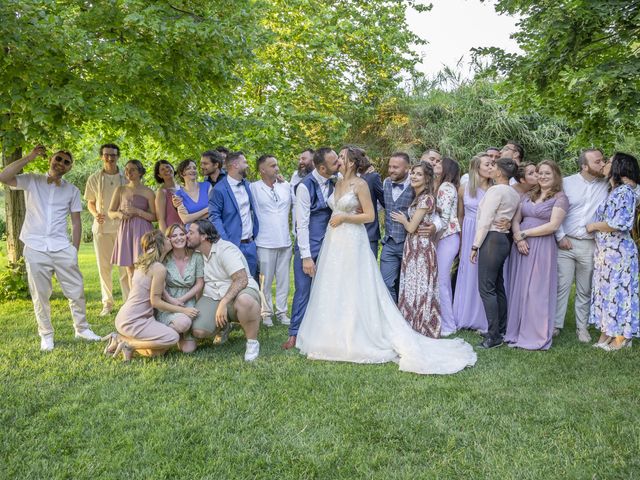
(329, 185)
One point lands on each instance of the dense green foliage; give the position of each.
(461, 122)
(73, 413)
(580, 61)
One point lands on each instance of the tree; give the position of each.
(460, 123)
(580, 61)
(119, 65)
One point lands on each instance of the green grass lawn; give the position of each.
(571, 412)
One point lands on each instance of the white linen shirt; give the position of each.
(302, 207)
(224, 260)
(272, 206)
(242, 199)
(47, 207)
(584, 199)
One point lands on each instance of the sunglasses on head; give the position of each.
(66, 161)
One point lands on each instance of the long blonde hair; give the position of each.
(474, 174)
(152, 245)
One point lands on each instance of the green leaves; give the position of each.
(581, 62)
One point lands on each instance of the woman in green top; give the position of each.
(185, 280)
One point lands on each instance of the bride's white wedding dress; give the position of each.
(351, 316)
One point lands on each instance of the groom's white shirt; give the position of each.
(302, 208)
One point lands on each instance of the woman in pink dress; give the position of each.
(167, 214)
(138, 330)
(134, 205)
(468, 310)
(418, 300)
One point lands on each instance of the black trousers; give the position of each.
(491, 257)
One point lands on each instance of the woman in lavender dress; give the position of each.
(468, 311)
(533, 268)
(134, 205)
(614, 296)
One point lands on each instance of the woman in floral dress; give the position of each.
(614, 295)
(419, 300)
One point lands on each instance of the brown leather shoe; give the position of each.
(290, 343)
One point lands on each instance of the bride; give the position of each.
(351, 316)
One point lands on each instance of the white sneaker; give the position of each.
(252, 351)
(88, 335)
(106, 310)
(46, 343)
(284, 320)
(267, 321)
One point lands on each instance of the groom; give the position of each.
(312, 215)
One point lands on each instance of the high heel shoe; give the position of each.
(603, 344)
(612, 346)
(112, 344)
(126, 349)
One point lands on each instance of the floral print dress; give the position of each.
(614, 295)
(419, 299)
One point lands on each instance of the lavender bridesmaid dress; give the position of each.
(468, 311)
(533, 286)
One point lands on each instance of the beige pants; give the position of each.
(274, 263)
(41, 266)
(577, 264)
(103, 244)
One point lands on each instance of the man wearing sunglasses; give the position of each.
(47, 250)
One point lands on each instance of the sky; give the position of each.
(453, 27)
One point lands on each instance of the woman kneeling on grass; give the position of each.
(138, 330)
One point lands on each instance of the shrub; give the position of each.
(13, 282)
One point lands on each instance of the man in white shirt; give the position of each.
(586, 191)
(272, 200)
(514, 151)
(98, 193)
(47, 250)
(230, 293)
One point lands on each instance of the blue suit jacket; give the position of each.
(225, 214)
(377, 195)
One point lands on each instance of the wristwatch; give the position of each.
(474, 248)
(523, 235)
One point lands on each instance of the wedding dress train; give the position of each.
(351, 316)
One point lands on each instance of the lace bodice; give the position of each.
(348, 203)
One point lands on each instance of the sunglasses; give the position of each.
(66, 161)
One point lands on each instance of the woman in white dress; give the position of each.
(351, 316)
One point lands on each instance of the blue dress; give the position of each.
(614, 295)
(203, 198)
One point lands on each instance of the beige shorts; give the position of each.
(207, 307)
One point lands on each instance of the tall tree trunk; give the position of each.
(14, 211)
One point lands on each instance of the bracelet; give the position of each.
(474, 248)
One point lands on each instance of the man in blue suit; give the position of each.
(312, 216)
(231, 209)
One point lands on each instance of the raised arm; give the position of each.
(9, 173)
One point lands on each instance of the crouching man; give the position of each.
(230, 293)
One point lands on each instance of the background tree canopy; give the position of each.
(580, 62)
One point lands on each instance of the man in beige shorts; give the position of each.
(230, 292)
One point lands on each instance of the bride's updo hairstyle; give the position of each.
(152, 245)
(358, 156)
